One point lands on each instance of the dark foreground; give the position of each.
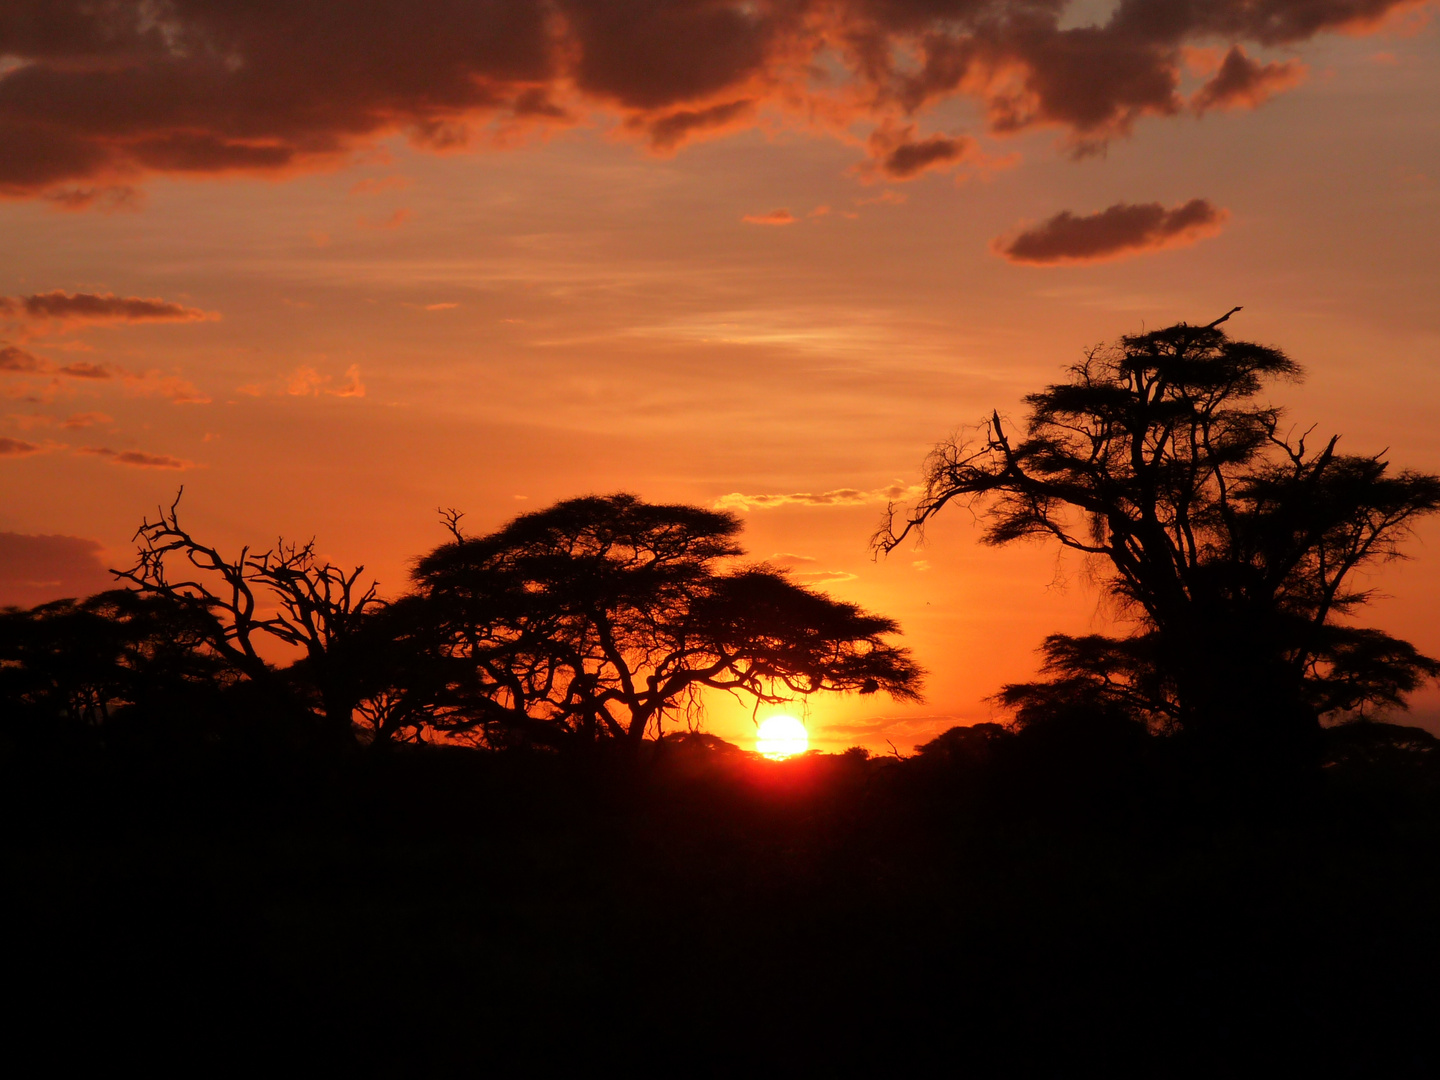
(995, 905)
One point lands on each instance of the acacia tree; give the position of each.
(603, 617)
(1230, 545)
(285, 593)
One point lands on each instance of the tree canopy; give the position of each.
(1229, 542)
(603, 617)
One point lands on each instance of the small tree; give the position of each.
(1230, 544)
(602, 617)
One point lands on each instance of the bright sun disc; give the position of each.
(781, 737)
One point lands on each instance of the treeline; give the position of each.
(1227, 544)
(599, 621)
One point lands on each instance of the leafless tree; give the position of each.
(285, 592)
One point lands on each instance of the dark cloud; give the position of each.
(674, 129)
(137, 458)
(83, 369)
(17, 447)
(38, 569)
(1242, 83)
(897, 154)
(1119, 230)
(98, 308)
(14, 359)
(97, 95)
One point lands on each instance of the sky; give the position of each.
(331, 266)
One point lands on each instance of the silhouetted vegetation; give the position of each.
(477, 825)
(1229, 544)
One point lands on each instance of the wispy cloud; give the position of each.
(67, 309)
(137, 459)
(306, 381)
(737, 500)
(772, 217)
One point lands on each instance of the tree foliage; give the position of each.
(603, 617)
(1230, 543)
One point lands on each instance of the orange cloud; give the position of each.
(773, 217)
(306, 381)
(1117, 231)
(75, 420)
(86, 419)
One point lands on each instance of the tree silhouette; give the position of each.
(1231, 544)
(286, 593)
(68, 669)
(602, 617)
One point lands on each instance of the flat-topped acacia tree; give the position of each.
(1231, 545)
(601, 617)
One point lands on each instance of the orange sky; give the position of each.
(469, 257)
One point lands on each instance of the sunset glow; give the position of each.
(746, 255)
(780, 737)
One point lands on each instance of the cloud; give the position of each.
(86, 419)
(390, 223)
(352, 386)
(95, 97)
(773, 217)
(38, 569)
(171, 387)
(786, 560)
(137, 459)
(71, 308)
(306, 381)
(838, 497)
(897, 154)
(18, 447)
(18, 361)
(107, 200)
(823, 577)
(1242, 83)
(1120, 230)
(73, 421)
(668, 132)
(83, 369)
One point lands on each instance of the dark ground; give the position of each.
(997, 905)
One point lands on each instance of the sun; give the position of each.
(780, 737)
